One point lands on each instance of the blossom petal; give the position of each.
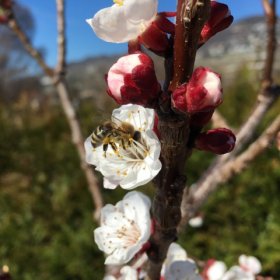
(141, 118)
(121, 23)
(110, 24)
(140, 11)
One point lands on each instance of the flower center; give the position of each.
(129, 234)
(137, 151)
(118, 2)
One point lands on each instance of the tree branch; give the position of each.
(191, 16)
(266, 98)
(34, 53)
(271, 19)
(219, 121)
(174, 131)
(67, 106)
(198, 195)
(61, 39)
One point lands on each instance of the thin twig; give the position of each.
(271, 19)
(61, 38)
(15, 27)
(63, 93)
(219, 121)
(266, 98)
(198, 196)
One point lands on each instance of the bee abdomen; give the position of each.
(96, 137)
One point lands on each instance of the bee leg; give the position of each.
(105, 147)
(114, 147)
(123, 144)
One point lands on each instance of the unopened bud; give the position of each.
(219, 141)
(132, 79)
(203, 93)
(220, 19)
(155, 37)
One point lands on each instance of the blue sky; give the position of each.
(82, 42)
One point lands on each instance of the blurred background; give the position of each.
(46, 220)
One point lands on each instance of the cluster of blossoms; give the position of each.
(247, 269)
(130, 158)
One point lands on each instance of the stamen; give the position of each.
(118, 2)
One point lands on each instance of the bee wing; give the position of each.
(118, 124)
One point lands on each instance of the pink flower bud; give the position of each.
(220, 19)
(219, 141)
(132, 79)
(203, 93)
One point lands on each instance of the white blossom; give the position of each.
(196, 222)
(123, 21)
(250, 264)
(125, 228)
(127, 273)
(178, 266)
(137, 164)
(237, 273)
(216, 270)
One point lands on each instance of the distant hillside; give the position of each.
(243, 42)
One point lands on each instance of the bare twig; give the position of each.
(78, 141)
(219, 121)
(198, 196)
(15, 27)
(67, 106)
(266, 98)
(226, 166)
(265, 101)
(61, 39)
(271, 18)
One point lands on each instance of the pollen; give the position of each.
(118, 2)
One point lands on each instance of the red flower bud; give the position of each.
(155, 37)
(219, 141)
(220, 19)
(203, 93)
(3, 19)
(6, 4)
(132, 79)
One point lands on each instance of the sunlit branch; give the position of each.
(61, 86)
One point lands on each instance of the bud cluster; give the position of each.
(135, 160)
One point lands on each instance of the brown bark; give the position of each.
(174, 133)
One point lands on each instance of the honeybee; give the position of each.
(114, 133)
